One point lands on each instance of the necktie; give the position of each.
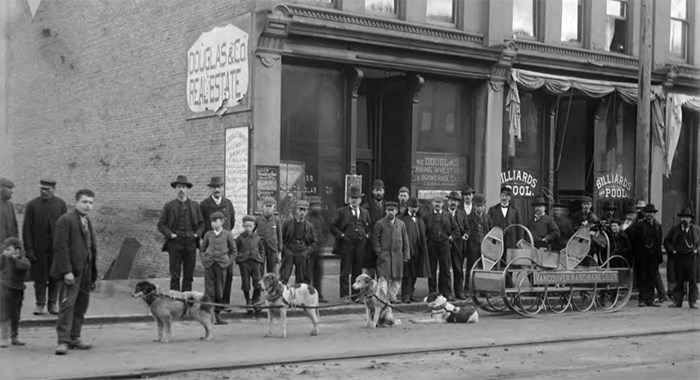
(84, 221)
(354, 212)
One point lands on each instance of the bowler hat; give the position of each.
(302, 204)
(454, 195)
(4, 182)
(391, 204)
(586, 198)
(640, 204)
(539, 201)
(181, 180)
(629, 209)
(467, 190)
(314, 200)
(650, 208)
(479, 199)
(11, 242)
(248, 218)
(506, 190)
(404, 189)
(355, 192)
(378, 184)
(216, 215)
(439, 197)
(686, 212)
(609, 206)
(216, 181)
(47, 183)
(412, 202)
(268, 201)
(615, 221)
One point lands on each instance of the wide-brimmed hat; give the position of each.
(217, 215)
(47, 183)
(412, 202)
(586, 198)
(539, 201)
(468, 190)
(313, 200)
(4, 182)
(378, 184)
(454, 195)
(391, 204)
(479, 199)
(181, 180)
(216, 181)
(506, 190)
(650, 208)
(404, 189)
(609, 206)
(355, 192)
(686, 212)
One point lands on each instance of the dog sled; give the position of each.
(536, 282)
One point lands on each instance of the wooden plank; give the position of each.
(643, 146)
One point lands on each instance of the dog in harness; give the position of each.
(280, 298)
(441, 311)
(164, 307)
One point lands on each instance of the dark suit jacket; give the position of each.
(375, 212)
(544, 228)
(462, 227)
(448, 229)
(344, 219)
(475, 239)
(514, 234)
(309, 236)
(167, 223)
(208, 207)
(646, 240)
(70, 249)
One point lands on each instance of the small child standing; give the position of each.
(217, 253)
(13, 267)
(250, 260)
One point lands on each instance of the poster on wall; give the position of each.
(613, 186)
(267, 184)
(523, 183)
(350, 181)
(218, 68)
(236, 172)
(292, 186)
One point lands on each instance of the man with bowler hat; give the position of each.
(182, 225)
(218, 203)
(467, 200)
(269, 228)
(8, 218)
(682, 242)
(38, 228)
(479, 225)
(351, 227)
(505, 214)
(646, 238)
(441, 232)
(299, 241)
(609, 209)
(418, 264)
(315, 264)
(544, 230)
(459, 219)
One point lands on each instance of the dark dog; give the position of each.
(164, 307)
(281, 297)
(374, 296)
(442, 311)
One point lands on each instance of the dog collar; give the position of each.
(149, 298)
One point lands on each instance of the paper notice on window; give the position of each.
(236, 172)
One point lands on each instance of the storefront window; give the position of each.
(381, 6)
(679, 191)
(571, 21)
(312, 137)
(679, 28)
(524, 18)
(616, 28)
(441, 11)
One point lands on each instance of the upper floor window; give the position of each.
(441, 11)
(387, 7)
(679, 28)
(322, 3)
(616, 27)
(524, 18)
(571, 20)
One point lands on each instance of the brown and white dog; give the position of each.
(374, 296)
(441, 311)
(164, 307)
(281, 297)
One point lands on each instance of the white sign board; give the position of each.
(217, 69)
(237, 173)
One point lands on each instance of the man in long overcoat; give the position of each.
(479, 225)
(505, 214)
(682, 242)
(543, 227)
(418, 264)
(646, 238)
(40, 218)
(390, 244)
(8, 218)
(459, 244)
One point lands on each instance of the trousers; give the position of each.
(71, 312)
(10, 311)
(290, 259)
(315, 271)
(440, 265)
(684, 268)
(352, 252)
(214, 282)
(183, 258)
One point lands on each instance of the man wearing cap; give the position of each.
(403, 196)
(646, 238)
(609, 209)
(585, 217)
(479, 225)
(218, 203)
(682, 242)
(544, 230)
(467, 200)
(40, 218)
(351, 227)
(440, 232)
(390, 244)
(217, 254)
(418, 264)
(459, 219)
(560, 212)
(182, 225)
(503, 215)
(315, 264)
(269, 228)
(299, 240)
(8, 219)
(631, 214)
(375, 207)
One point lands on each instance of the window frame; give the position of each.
(537, 16)
(627, 50)
(685, 23)
(580, 23)
(455, 11)
(395, 15)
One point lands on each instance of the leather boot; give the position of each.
(256, 299)
(218, 320)
(247, 302)
(53, 310)
(39, 310)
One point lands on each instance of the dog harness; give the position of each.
(454, 314)
(152, 296)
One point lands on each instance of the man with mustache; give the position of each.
(585, 217)
(376, 210)
(646, 238)
(682, 242)
(182, 225)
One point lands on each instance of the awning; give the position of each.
(674, 122)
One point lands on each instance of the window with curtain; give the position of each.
(445, 118)
(387, 7)
(679, 28)
(524, 18)
(616, 27)
(571, 24)
(441, 11)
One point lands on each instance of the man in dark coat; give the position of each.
(351, 227)
(646, 238)
(390, 244)
(75, 266)
(682, 242)
(40, 218)
(218, 203)
(440, 232)
(182, 225)
(467, 200)
(269, 227)
(8, 219)
(505, 214)
(585, 217)
(299, 241)
(543, 228)
(376, 210)
(315, 264)
(560, 212)
(609, 209)
(418, 265)
(479, 225)
(458, 247)
(404, 195)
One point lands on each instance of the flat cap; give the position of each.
(302, 204)
(47, 183)
(268, 201)
(391, 204)
(404, 189)
(217, 215)
(479, 199)
(4, 182)
(248, 218)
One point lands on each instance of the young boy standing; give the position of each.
(250, 260)
(269, 228)
(217, 253)
(13, 267)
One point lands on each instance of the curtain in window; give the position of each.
(674, 122)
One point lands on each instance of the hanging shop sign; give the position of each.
(439, 171)
(613, 186)
(521, 182)
(267, 184)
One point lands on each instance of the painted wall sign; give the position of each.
(267, 184)
(521, 182)
(613, 186)
(236, 172)
(218, 69)
(439, 171)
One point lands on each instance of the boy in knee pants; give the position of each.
(217, 253)
(250, 260)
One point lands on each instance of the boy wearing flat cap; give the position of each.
(217, 253)
(13, 268)
(269, 228)
(250, 260)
